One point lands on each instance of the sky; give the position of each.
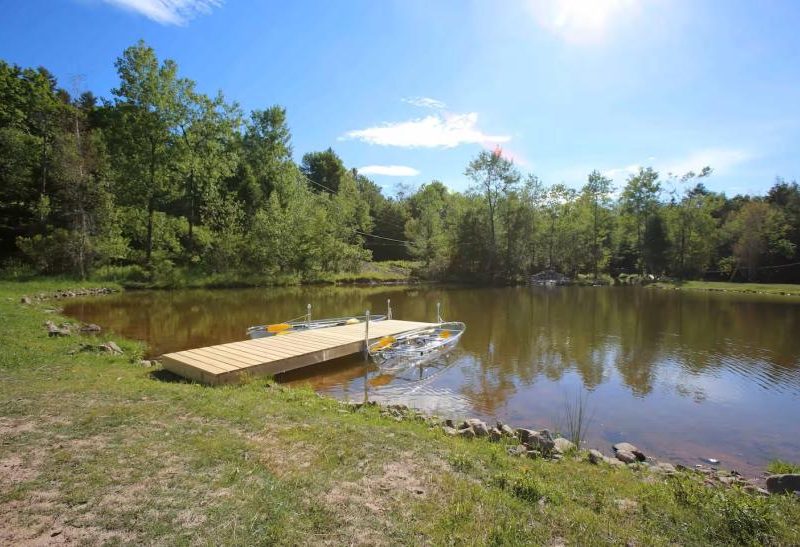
(408, 91)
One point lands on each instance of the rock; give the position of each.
(91, 327)
(110, 347)
(450, 431)
(628, 447)
(495, 435)
(467, 433)
(517, 450)
(595, 456)
(753, 489)
(663, 467)
(533, 454)
(541, 441)
(626, 456)
(524, 434)
(562, 445)
(613, 462)
(25, 300)
(54, 330)
(449, 423)
(507, 430)
(479, 427)
(780, 484)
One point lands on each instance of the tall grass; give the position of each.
(577, 416)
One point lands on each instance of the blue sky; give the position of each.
(412, 89)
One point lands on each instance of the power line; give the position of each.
(331, 192)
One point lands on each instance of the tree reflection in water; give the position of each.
(678, 372)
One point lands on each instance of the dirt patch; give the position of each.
(41, 531)
(15, 469)
(10, 427)
(374, 504)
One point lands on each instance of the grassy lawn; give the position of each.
(95, 448)
(761, 288)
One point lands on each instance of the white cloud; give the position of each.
(389, 170)
(434, 131)
(168, 12)
(580, 21)
(425, 102)
(721, 160)
(622, 172)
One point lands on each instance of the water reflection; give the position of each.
(685, 374)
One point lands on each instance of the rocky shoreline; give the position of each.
(530, 443)
(67, 293)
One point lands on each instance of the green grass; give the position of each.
(760, 288)
(780, 467)
(134, 277)
(96, 448)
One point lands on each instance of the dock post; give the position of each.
(438, 312)
(366, 335)
(308, 314)
(388, 308)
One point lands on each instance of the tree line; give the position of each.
(161, 177)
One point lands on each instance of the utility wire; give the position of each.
(331, 192)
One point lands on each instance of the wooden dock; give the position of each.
(227, 363)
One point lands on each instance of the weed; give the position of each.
(780, 467)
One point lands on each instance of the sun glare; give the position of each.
(580, 20)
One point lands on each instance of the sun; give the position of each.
(580, 20)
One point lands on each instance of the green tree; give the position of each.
(207, 129)
(425, 230)
(324, 169)
(596, 197)
(493, 177)
(638, 202)
(757, 231)
(147, 117)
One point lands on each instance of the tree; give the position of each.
(426, 228)
(596, 194)
(207, 129)
(493, 176)
(147, 118)
(639, 200)
(757, 231)
(324, 169)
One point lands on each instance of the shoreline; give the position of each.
(339, 469)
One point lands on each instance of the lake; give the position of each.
(684, 375)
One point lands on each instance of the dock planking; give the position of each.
(228, 363)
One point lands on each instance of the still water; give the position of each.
(683, 375)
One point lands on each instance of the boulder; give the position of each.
(467, 433)
(55, 330)
(626, 456)
(449, 423)
(525, 434)
(663, 467)
(495, 435)
(613, 462)
(780, 484)
(541, 441)
(451, 431)
(595, 456)
(110, 347)
(91, 327)
(479, 427)
(628, 447)
(562, 445)
(507, 430)
(25, 300)
(517, 450)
